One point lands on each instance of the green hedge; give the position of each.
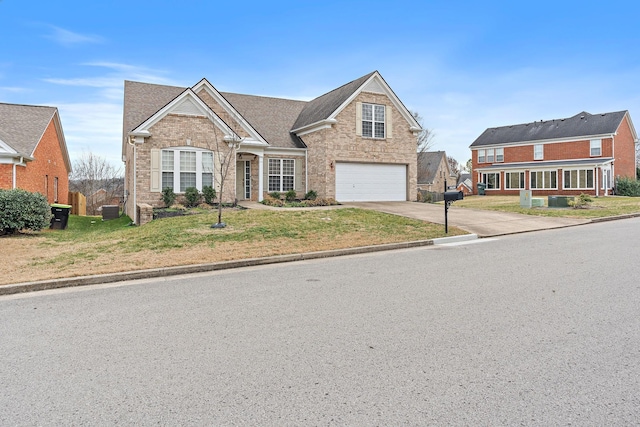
(22, 210)
(627, 187)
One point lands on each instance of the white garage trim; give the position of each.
(370, 182)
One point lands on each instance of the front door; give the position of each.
(243, 180)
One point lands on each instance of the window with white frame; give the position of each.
(543, 180)
(481, 156)
(513, 180)
(373, 120)
(538, 152)
(491, 180)
(578, 179)
(281, 174)
(596, 147)
(182, 169)
(490, 155)
(499, 154)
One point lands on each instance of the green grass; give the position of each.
(600, 207)
(242, 226)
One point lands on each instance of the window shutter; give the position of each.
(388, 125)
(265, 174)
(359, 118)
(155, 170)
(298, 176)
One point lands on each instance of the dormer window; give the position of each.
(373, 120)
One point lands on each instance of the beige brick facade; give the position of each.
(341, 144)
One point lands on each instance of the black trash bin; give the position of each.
(481, 188)
(60, 216)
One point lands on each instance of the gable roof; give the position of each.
(22, 126)
(142, 100)
(463, 177)
(581, 125)
(272, 118)
(428, 165)
(323, 106)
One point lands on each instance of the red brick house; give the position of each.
(33, 151)
(580, 154)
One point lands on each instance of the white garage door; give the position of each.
(367, 182)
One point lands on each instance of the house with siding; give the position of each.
(33, 151)
(584, 153)
(354, 143)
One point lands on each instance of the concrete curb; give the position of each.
(200, 268)
(454, 239)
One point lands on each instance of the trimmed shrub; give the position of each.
(275, 194)
(290, 195)
(581, 202)
(209, 194)
(168, 196)
(627, 187)
(192, 196)
(22, 210)
(311, 195)
(269, 200)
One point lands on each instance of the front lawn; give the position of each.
(91, 246)
(600, 207)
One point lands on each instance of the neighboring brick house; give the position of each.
(33, 151)
(581, 154)
(465, 184)
(433, 171)
(357, 142)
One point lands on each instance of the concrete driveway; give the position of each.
(480, 222)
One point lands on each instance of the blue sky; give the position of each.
(464, 66)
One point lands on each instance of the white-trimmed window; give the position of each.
(491, 180)
(182, 169)
(499, 154)
(580, 179)
(373, 120)
(538, 152)
(513, 180)
(481, 156)
(281, 174)
(543, 180)
(595, 147)
(490, 155)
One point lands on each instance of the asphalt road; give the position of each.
(534, 329)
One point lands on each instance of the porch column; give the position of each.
(260, 176)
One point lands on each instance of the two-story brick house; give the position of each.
(354, 143)
(580, 154)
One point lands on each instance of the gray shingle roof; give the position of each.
(428, 163)
(22, 126)
(142, 100)
(272, 118)
(582, 124)
(323, 106)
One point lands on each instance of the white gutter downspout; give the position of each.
(135, 208)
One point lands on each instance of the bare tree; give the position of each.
(224, 149)
(425, 137)
(469, 166)
(96, 178)
(454, 166)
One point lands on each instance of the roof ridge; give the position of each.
(264, 96)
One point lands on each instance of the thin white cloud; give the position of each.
(69, 38)
(13, 89)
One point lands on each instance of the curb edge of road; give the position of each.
(216, 266)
